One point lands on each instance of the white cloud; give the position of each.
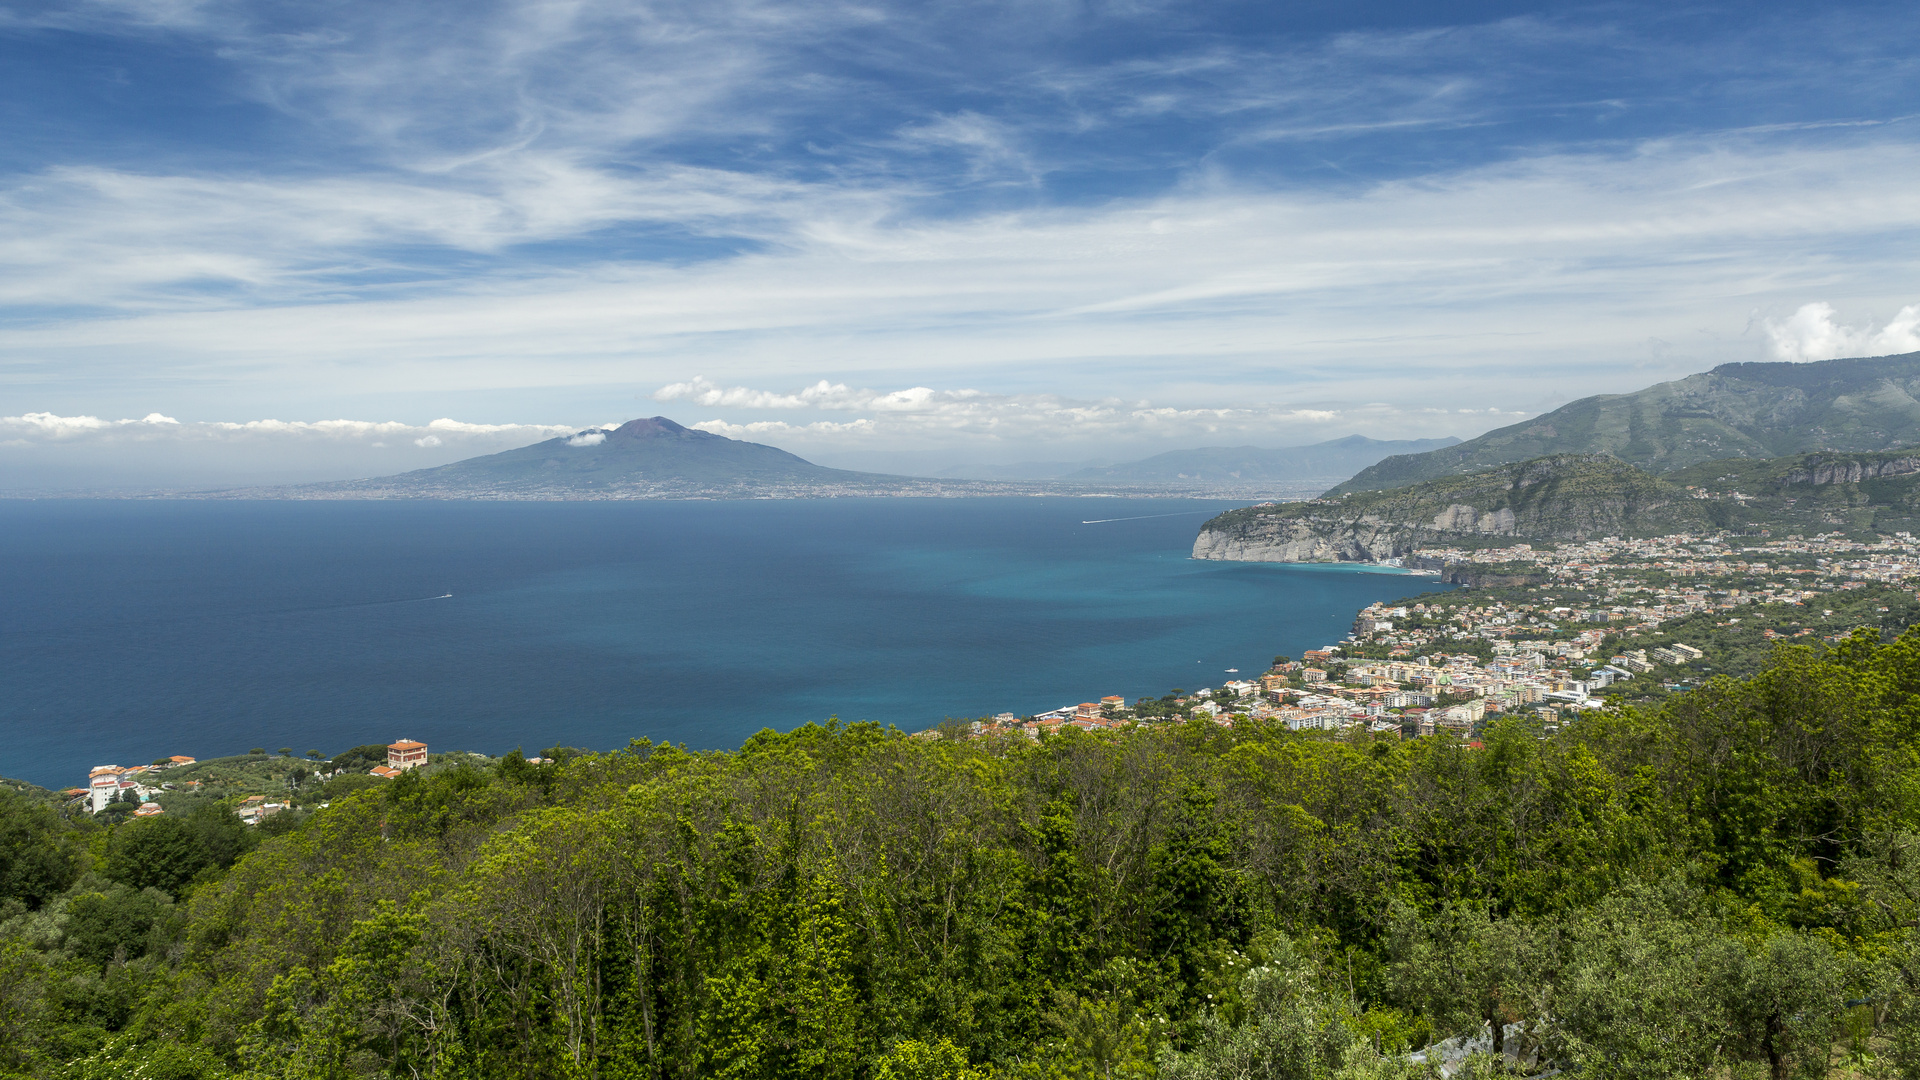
(54, 426)
(988, 145)
(46, 451)
(1811, 334)
(46, 427)
(920, 414)
(588, 438)
(820, 395)
(1528, 278)
(568, 202)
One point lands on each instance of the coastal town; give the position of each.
(1548, 632)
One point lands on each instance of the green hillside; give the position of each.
(1733, 411)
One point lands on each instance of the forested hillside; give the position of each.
(1727, 886)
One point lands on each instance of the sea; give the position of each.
(132, 630)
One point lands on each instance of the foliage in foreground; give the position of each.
(1727, 886)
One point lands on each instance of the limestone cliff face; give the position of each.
(1564, 497)
(1303, 540)
(1823, 471)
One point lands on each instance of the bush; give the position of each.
(344, 785)
(360, 758)
(916, 1060)
(125, 1058)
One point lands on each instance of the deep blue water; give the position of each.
(131, 630)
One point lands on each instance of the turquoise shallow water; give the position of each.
(137, 629)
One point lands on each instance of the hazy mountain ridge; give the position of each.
(656, 458)
(1229, 466)
(636, 458)
(1747, 410)
(1566, 496)
(653, 458)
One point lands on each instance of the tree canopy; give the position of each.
(1725, 885)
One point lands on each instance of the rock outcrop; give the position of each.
(1302, 540)
(1566, 497)
(1821, 469)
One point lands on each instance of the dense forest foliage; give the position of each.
(1725, 886)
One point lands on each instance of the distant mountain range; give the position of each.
(1733, 411)
(1249, 466)
(658, 458)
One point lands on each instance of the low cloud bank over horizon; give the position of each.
(48, 452)
(903, 430)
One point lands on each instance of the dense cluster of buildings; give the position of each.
(117, 783)
(1437, 673)
(1414, 697)
(1637, 585)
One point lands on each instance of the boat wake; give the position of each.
(1144, 517)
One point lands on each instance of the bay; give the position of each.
(136, 629)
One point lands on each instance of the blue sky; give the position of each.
(906, 234)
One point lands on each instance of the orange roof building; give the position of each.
(406, 754)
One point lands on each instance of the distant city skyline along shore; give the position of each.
(144, 629)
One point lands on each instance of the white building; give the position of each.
(103, 786)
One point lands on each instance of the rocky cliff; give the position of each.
(1564, 497)
(1828, 469)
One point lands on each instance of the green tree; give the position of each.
(170, 852)
(1466, 970)
(1783, 1003)
(1196, 900)
(36, 862)
(160, 852)
(119, 924)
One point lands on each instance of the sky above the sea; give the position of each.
(276, 240)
